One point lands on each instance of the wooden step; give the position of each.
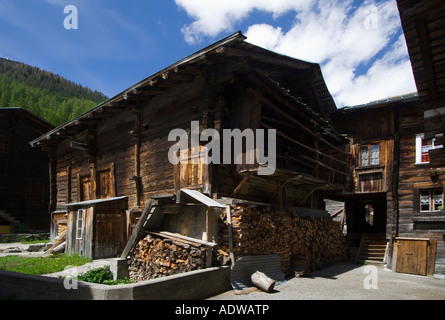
(372, 247)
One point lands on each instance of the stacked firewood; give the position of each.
(155, 257)
(259, 231)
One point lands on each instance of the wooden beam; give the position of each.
(310, 149)
(80, 146)
(426, 58)
(242, 183)
(230, 235)
(291, 106)
(138, 229)
(292, 119)
(290, 63)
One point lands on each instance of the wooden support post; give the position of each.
(52, 180)
(137, 230)
(280, 194)
(93, 169)
(229, 229)
(137, 156)
(68, 192)
(242, 183)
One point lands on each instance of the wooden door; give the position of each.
(412, 256)
(79, 232)
(193, 173)
(109, 238)
(85, 188)
(106, 183)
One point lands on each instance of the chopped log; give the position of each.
(158, 255)
(60, 248)
(57, 241)
(263, 282)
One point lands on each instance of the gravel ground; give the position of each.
(348, 281)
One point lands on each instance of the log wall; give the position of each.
(412, 178)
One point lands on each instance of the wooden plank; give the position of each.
(242, 183)
(230, 235)
(298, 123)
(193, 240)
(137, 230)
(305, 146)
(432, 249)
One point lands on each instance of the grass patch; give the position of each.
(40, 265)
(33, 241)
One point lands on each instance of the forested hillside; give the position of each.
(45, 94)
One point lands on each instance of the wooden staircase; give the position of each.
(372, 248)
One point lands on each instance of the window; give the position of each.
(79, 226)
(370, 155)
(431, 200)
(423, 146)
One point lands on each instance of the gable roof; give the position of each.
(300, 77)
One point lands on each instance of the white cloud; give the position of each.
(391, 75)
(361, 50)
(216, 16)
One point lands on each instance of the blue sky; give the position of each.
(359, 44)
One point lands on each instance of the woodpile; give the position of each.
(156, 256)
(259, 231)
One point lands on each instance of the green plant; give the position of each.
(436, 171)
(101, 275)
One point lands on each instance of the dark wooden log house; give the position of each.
(24, 181)
(118, 151)
(423, 24)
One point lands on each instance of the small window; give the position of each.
(423, 147)
(431, 200)
(370, 155)
(79, 226)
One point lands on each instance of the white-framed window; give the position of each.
(80, 224)
(423, 146)
(431, 200)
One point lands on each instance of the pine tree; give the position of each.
(43, 93)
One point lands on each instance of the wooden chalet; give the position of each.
(423, 24)
(394, 205)
(24, 181)
(118, 151)
(396, 201)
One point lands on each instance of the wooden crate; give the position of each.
(414, 256)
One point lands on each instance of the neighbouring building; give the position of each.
(395, 207)
(24, 179)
